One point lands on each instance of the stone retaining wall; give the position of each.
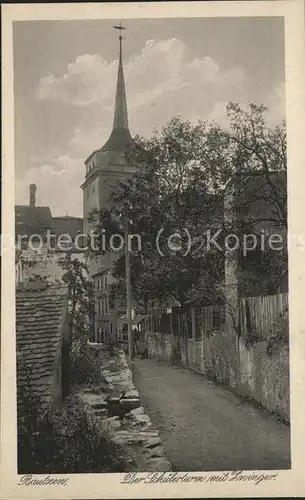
(116, 405)
(222, 356)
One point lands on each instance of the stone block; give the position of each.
(134, 439)
(148, 434)
(136, 411)
(113, 400)
(133, 394)
(122, 435)
(152, 442)
(141, 420)
(100, 405)
(129, 404)
(157, 452)
(159, 465)
(112, 424)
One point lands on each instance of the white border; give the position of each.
(84, 486)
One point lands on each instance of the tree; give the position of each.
(80, 297)
(257, 148)
(162, 196)
(183, 173)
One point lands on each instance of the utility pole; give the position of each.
(128, 287)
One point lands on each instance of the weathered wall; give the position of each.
(31, 264)
(249, 370)
(129, 425)
(57, 385)
(61, 380)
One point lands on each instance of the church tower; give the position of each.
(107, 165)
(104, 167)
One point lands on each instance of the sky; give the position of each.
(64, 85)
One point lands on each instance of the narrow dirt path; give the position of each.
(204, 426)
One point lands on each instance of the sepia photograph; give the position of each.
(151, 246)
(179, 347)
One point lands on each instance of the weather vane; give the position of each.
(119, 27)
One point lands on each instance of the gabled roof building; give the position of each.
(42, 338)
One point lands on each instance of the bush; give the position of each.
(68, 441)
(85, 364)
(111, 346)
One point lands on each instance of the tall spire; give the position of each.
(120, 137)
(120, 111)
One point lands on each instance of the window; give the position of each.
(106, 281)
(217, 317)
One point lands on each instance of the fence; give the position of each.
(251, 366)
(256, 316)
(191, 322)
(259, 315)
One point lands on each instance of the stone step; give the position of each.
(100, 406)
(157, 452)
(136, 411)
(153, 442)
(119, 411)
(133, 394)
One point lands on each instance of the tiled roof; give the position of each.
(37, 220)
(40, 312)
(32, 220)
(68, 225)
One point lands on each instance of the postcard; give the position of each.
(153, 245)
